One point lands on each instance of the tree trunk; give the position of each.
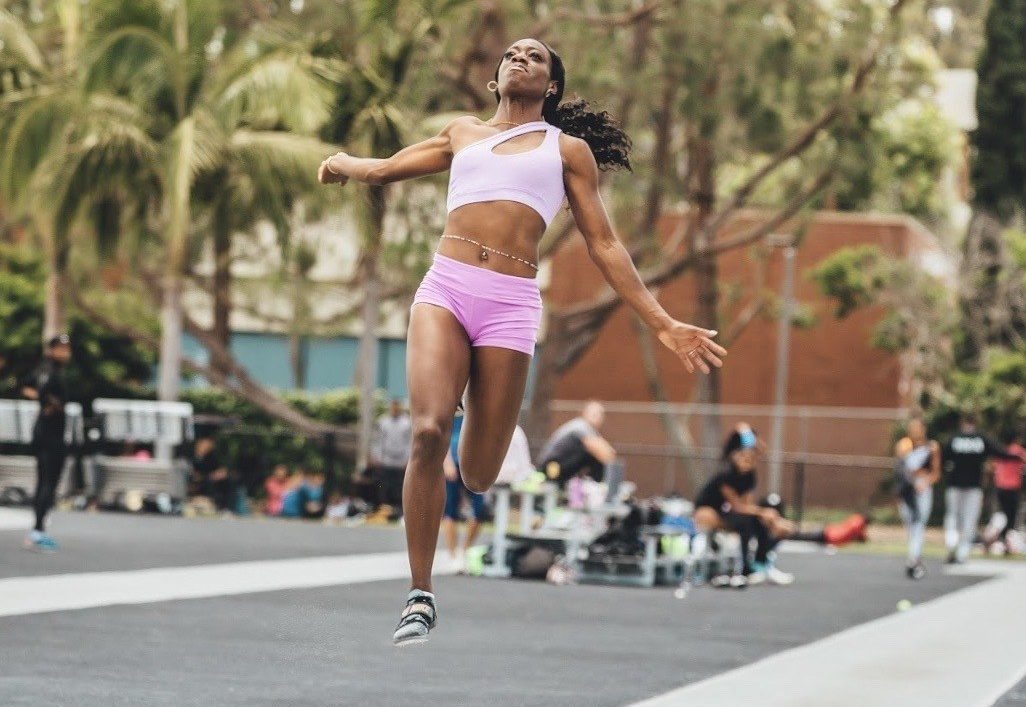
(546, 372)
(676, 432)
(297, 359)
(170, 339)
(706, 292)
(367, 358)
(222, 285)
(54, 321)
(53, 312)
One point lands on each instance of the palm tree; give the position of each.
(37, 100)
(369, 119)
(231, 117)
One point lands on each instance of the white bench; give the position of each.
(18, 471)
(163, 424)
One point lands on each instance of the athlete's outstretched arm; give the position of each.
(692, 344)
(428, 157)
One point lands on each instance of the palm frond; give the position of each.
(380, 12)
(270, 169)
(196, 144)
(29, 137)
(16, 45)
(279, 90)
(101, 156)
(131, 60)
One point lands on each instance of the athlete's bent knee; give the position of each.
(475, 486)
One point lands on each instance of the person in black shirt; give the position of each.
(964, 456)
(48, 445)
(211, 478)
(726, 501)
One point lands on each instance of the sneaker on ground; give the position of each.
(769, 574)
(417, 620)
(757, 577)
(40, 542)
(720, 581)
(916, 571)
(738, 581)
(778, 577)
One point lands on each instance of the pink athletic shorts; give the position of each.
(495, 309)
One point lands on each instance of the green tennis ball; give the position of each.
(904, 605)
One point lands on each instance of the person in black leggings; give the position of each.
(48, 443)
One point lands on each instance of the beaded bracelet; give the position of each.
(327, 164)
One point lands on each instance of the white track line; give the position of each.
(15, 519)
(61, 592)
(964, 649)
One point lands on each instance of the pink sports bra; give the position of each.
(533, 178)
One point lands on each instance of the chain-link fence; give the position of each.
(832, 457)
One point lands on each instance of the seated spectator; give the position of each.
(726, 501)
(275, 488)
(210, 477)
(307, 499)
(577, 446)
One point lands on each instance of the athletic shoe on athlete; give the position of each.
(417, 620)
(738, 581)
(951, 559)
(916, 571)
(40, 542)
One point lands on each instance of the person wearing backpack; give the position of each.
(917, 468)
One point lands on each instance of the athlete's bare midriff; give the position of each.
(503, 225)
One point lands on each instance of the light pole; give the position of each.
(783, 357)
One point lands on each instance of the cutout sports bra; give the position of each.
(533, 177)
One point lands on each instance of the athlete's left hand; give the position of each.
(693, 345)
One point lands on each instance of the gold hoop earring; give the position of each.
(492, 86)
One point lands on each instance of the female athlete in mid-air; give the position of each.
(475, 316)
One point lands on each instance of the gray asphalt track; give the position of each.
(1016, 697)
(499, 642)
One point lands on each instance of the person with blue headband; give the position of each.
(727, 502)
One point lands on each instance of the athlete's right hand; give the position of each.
(326, 176)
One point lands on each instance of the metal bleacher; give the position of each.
(165, 425)
(18, 468)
